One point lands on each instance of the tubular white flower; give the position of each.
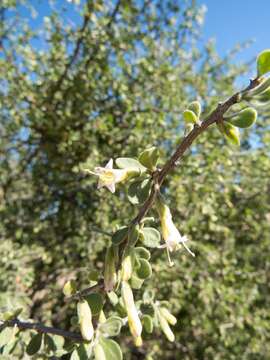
(172, 237)
(108, 176)
(134, 321)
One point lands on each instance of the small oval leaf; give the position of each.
(147, 323)
(190, 117)
(70, 288)
(149, 158)
(139, 191)
(195, 106)
(120, 235)
(129, 163)
(6, 335)
(111, 349)
(142, 253)
(263, 62)
(34, 344)
(230, 132)
(113, 298)
(112, 326)
(136, 282)
(244, 118)
(145, 270)
(150, 237)
(95, 301)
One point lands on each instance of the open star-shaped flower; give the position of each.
(108, 177)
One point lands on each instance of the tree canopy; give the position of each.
(97, 80)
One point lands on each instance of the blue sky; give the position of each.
(235, 21)
(228, 21)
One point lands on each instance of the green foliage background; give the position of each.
(111, 83)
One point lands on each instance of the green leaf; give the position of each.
(190, 117)
(34, 344)
(99, 352)
(142, 253)
(80, 353)
(149, 158)
(120, 235)
(112, 326)
(70, 288)
(259, 89)
(113, 298)
(49, 344)
(195, 107)
(12, 314)
(133, 235)
(129, 163)
(230, 132)
(147, 323)
(263, 62)
(54, 344)
(93, 275)
(148, 296)
(111, 349)
(74, 355)
(244, 118)
(150, 237)
(264, 97)
(139, 191)
(136, 282)
(58, 341)
(6, 335)
(95, 301)
(110, 272)
(145, 270)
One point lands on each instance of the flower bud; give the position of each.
(134, 322)
(127, 266)
(85, 320)
(168, 316)
(110, 274)
(165, 327)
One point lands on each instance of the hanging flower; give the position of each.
(172, 237)
(108, 177)
(134, 321)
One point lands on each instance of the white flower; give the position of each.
(172, 237)
(134, 321)
(108, 176)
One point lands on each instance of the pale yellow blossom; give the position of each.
(172, 237)
(108, 177)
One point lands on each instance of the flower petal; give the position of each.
(111, 187)
(109, 164)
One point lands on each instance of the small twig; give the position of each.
(41, 329)
(186, 143)
(87, 291)
(100, 231)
